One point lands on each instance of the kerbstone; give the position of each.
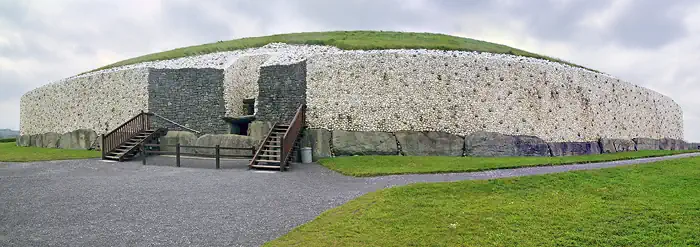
(226, 140)
(491, 144)
(430, 143)
(175, 137)
(259, 129)
(78, 139)
(672, 144)
(319, 140)
(616, 145)
(646, 144)
(364, 143)
(24, 140)
(574, 148)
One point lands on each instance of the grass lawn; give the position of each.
(363, 166)
(9, 152)
(347, 40)
(643, 205)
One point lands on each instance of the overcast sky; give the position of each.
(652, 43)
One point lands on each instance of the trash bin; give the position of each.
(306, 155)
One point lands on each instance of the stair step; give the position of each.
(282, 125)
(269, 161)
(266, 166)
(271, 151)
(112, 157)
(269, 155)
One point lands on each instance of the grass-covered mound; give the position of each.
(655, 204)
(347, 40)
(363, 166)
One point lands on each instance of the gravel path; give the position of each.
(96, 203)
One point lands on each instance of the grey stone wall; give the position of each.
(191, 97)
(282, 88)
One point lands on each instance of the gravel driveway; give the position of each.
(96, 203)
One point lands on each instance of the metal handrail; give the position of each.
(293, 131)
(173, 122)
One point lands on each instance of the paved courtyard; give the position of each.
(96, 203)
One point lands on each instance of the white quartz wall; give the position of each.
(386, 90)
(98, 102)
(462, 92)
(241, 82)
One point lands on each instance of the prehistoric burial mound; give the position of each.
(366, 93)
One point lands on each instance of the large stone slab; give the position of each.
(226, 140)
(24, 141)
(672, 144)
(694, 146)
(364, 143)
(573, 148)
(259, 129)
(50, 140)
(36, 140)
(319, 140)
(646, 144)
(175, 137)
(78, 139)
(430, 143)
(616, 145)
(491, 144)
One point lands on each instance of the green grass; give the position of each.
(644, 205)
(9, 152)
(347, 40)
(363, 166)
(5, 140)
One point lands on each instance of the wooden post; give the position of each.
(177, 154)
(102, 146)
(218, 164)
(143, 152)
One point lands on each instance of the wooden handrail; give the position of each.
(124, 132)
(122, 125)
(291, 135)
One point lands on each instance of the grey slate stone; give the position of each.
(319, 140)
(615, 145)
(226, 140)
(573, 148)
(646, 144)
(78, 139)
(364, 143)
(24, 141)
(189, 96)
(430, 143)
(491, 144)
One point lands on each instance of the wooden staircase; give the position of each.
(281, 144)
(128, 149)
(124, 142)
